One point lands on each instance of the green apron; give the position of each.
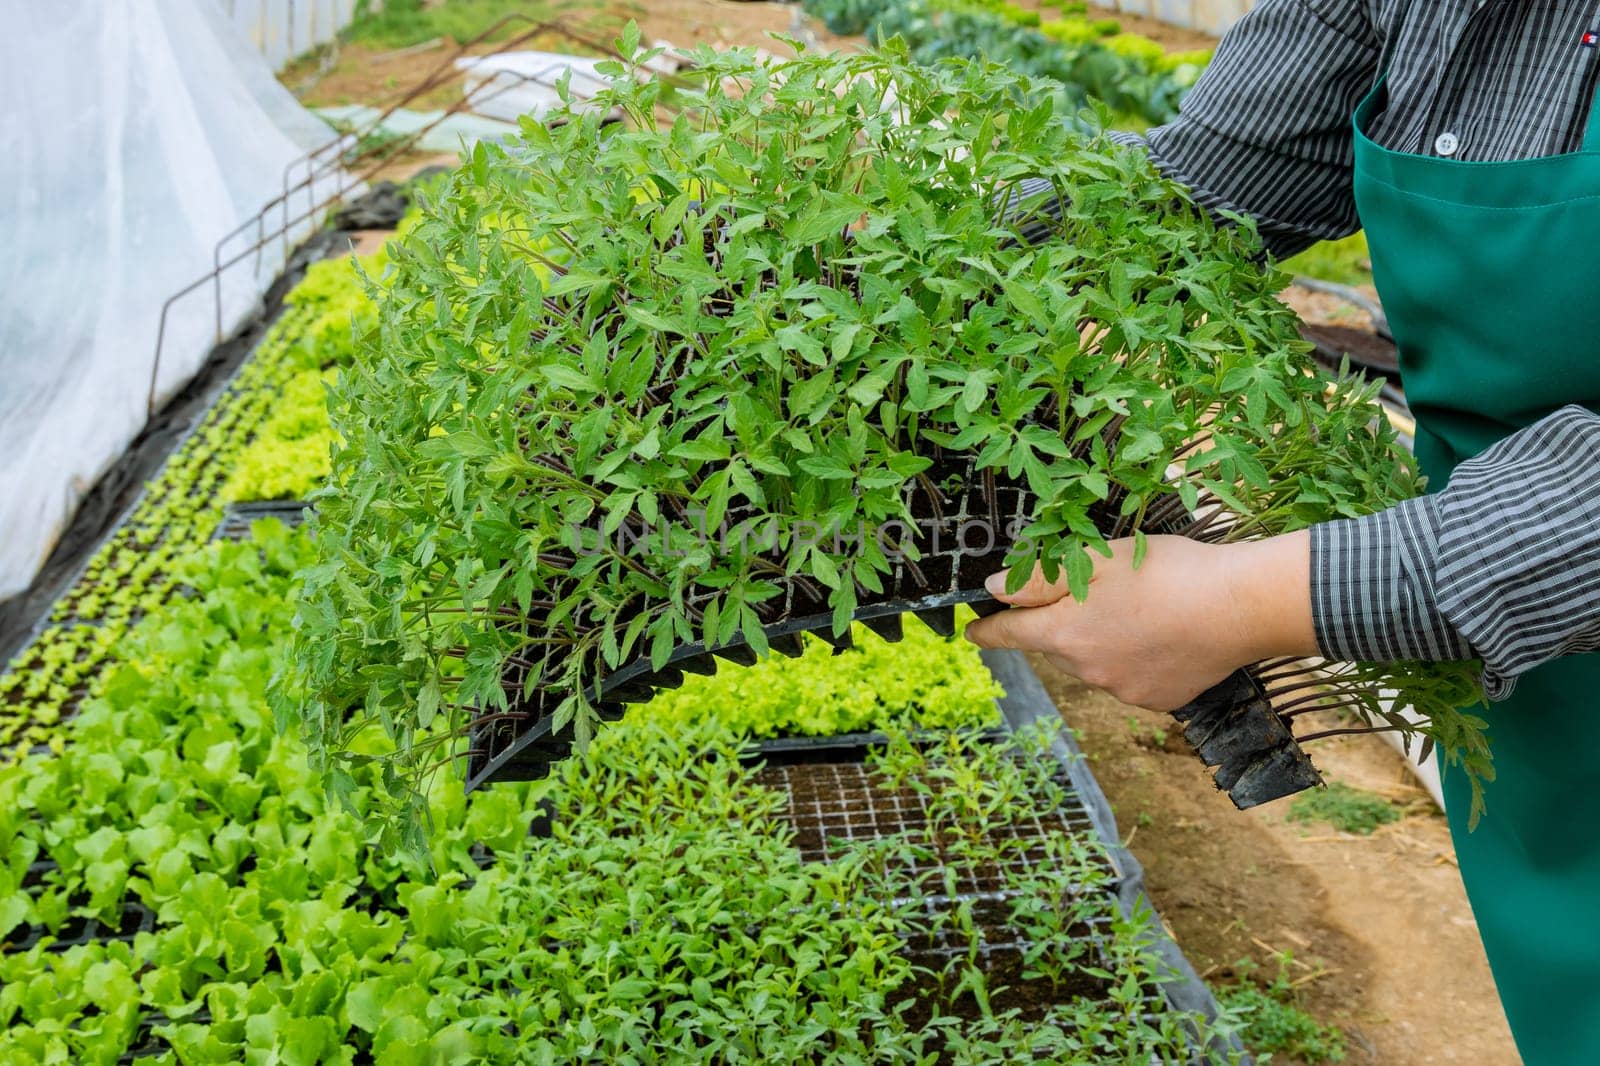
(1490, 278)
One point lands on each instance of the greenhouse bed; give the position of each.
(129, 572)
(107, 579)
(488, 853)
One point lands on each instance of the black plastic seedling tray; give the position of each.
(136, 918)
(519, 744)
(1365, 349)
(832, 800)
(239, 517)
(133, 919)
(965, 522)
(1232, 726)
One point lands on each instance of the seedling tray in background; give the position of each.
(1027, 705)
(833, 805)
(239, 517)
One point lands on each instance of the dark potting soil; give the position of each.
(934, 988)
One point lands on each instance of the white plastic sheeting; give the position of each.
(135, 135)
(508, 85)
(511, 84)
(428, 131)
(283, 29)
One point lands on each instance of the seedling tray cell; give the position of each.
(78, 930)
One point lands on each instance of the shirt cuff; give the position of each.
(1519, 545)
(1373, 594)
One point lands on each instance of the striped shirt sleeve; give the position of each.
(1266, 131)
(1502, 565)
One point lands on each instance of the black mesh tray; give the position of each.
(833, 802)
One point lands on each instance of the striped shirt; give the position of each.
(1503, 564)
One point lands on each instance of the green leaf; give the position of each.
(366, 1003)
(825, 216)
(428, 702)
(826, 466)
(565, 377)
(701, 449)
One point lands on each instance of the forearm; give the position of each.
(1269, 597)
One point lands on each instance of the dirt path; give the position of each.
(1385, 916)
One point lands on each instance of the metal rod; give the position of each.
(315, 170)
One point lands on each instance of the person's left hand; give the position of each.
(1160, 635)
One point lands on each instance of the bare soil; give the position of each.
(1326, 308)
(359, 74)
(1382, 935)
(356, 73)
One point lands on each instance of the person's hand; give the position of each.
(1160, 635)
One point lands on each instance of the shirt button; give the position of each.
(1446, 144)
